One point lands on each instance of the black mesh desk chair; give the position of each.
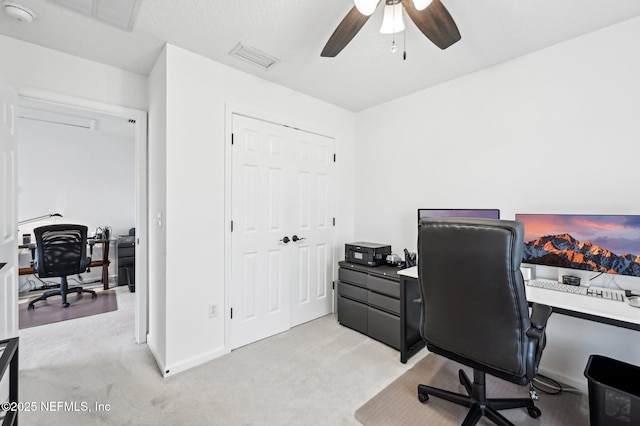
(61, 250)
(475, 311)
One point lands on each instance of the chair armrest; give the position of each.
(536, 333)
(539, 315)
(85, 263)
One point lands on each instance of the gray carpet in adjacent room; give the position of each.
(51, 310)
(398, 403)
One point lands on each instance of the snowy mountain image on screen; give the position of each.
(566, 252)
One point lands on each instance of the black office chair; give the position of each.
(61, 250)
(475, 311)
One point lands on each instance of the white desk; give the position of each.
(570, 342)
(409, 272)
(591, 308)
(620, 314)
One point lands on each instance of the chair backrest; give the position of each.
(474, 302)
(61, 250)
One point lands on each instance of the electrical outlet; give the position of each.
(213, 310)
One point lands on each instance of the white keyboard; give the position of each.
(599, 292)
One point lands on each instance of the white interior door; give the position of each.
(260, 285)
(8, 214)
(312, 257)
(281, 180)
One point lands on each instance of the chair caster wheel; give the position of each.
(30, 307)
(65, 305)
(534, 412)
(423, 397)
(94, 295)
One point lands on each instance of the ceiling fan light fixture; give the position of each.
(366, 7)
(392, 21)
(421, 4)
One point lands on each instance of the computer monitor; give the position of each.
(599, 243)
(479, 213)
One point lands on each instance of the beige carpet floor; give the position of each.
(398, 403)
(316, 374)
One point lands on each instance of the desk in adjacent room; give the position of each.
(104, 263)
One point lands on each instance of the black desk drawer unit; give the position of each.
(368, 301)
(378, 302)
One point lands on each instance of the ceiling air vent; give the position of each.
(253, 56)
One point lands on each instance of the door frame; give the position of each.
(230, 110)
(9, 318)
(141, 190)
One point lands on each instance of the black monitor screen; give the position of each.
(479, 213)
(599, 243)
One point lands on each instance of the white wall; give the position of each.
(87, 176)
(44, 73)
(198, 92)
(556, 131)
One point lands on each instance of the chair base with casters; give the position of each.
(476, 399)
(63, 291)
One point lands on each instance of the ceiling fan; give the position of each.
(430, 16)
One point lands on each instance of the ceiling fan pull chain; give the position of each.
(394, 48)
(404, 47)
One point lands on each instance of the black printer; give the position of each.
(363, 253)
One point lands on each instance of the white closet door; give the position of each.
(259, 267)
(312, 257)
(281, 180)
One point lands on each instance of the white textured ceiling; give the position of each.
(364, 74)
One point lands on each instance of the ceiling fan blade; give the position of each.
(435, 22)
(344, 33)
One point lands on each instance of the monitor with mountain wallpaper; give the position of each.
(599, 243)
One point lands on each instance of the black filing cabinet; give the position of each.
(127, 261)
(378, 302)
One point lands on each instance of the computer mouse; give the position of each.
(634, 301)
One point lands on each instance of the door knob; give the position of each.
(296, 238)
(285, 239)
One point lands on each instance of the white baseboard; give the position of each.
(171, 369)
